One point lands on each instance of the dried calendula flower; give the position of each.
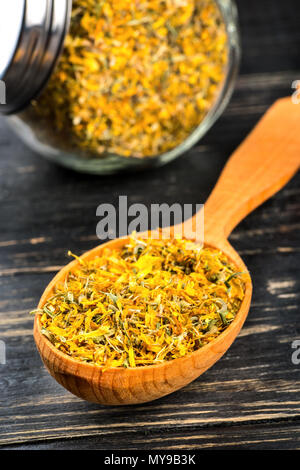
(135, 77)
(148, 302)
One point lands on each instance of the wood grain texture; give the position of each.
(262, 164)
(249, 399)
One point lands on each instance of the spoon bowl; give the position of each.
(264, 162)
(118, 386)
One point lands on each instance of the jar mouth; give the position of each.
(37, 34)
(109, 163)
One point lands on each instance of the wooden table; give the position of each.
(250, 398)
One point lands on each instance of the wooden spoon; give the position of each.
(262, 165)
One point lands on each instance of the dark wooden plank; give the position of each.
(249, 399)
(256, 377)
(257, 437)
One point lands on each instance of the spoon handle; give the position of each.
(261, 166)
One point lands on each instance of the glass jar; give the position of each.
(129, 84)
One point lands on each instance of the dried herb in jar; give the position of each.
(135, 78)
(148, 302)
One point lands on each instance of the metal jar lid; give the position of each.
(32, 34)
